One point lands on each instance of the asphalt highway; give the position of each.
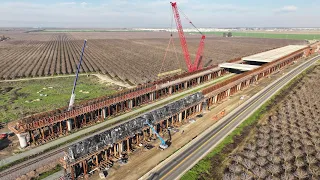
(176, 167)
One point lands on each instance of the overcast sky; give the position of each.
(157, 13)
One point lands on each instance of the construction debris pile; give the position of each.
(128, 129)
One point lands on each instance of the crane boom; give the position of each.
(197, 64)
(163, 144)
(73, 95)
(181, 35)
(191, 66)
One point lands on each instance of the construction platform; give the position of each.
(240, 67)
(274, 54)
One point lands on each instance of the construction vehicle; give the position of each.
(197, 65)
(73, 95)
(3, 135)
(163, 144)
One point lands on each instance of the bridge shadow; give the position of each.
(4, 143)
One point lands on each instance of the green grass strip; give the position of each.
(49, 173)
(270, 35)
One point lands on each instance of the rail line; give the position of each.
(28, 163)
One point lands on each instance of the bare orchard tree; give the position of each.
(251, 146)
(229, 176)
(261, 161)
(305, 137)
(259, 172)
(248, 164)
(246, 176)
(296, 144)
(287, 156)
(286, 139)
(287, 167)
(236, 169)
(250, 154)
(309, 150)
(318, 156)
(270, 177)
(264, 129)
(274, 149)
(311, 160)
(262, 152)
(237, 158)
(274, 169)
(299, 163)
(295, 136)
(297, 153)
(287, 176)
(301, 174)
(314, 171)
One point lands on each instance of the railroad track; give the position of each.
(21, 166)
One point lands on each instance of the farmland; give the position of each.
(20, 99)
(133, 57)
(275, 35)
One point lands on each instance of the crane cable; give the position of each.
(174, 48)
(185, 16)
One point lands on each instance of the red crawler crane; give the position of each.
(197, 63)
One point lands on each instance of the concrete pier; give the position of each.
(23, 139)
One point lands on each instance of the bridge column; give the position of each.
(120, 149)
(180, 117)
(23, 139)
(199, 80)
(228, 92)
(115, 149)
(215, 99)
(154, 133)
(128, 145)
(170, 90)
(219, 73)
(69, 124)
(104, 113)
(137, 136)
(130, 104)
(209, 76)
(186, 85)
(199, 106)
(151, 96)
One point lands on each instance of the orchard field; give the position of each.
(134, 57)
(286, 143)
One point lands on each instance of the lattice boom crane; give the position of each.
(197, 63)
